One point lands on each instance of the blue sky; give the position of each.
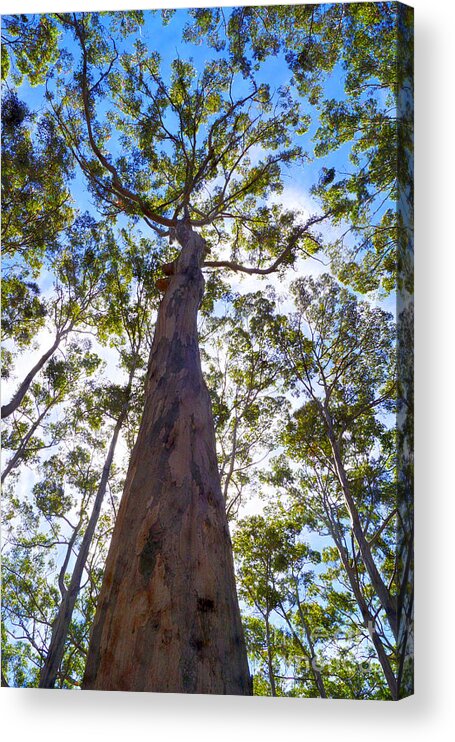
(297, 179)
(166, 40)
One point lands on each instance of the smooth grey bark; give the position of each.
(367, 616)
(168, 618)
(16, 458)
(269, 654)
(13, 404)
(311, 655)
(315, 670)
(230, 473)
(380, 588)
(61, 624)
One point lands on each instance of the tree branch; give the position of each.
(284, 255)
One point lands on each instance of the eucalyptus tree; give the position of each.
(304, 632)
(314, 493)
(80, 269)
(195, 152)
(36, 202)
(199, 153)
(273, 560)
(125, 325)
(36, 210)
(40, 551)
(243, 382)
(85, 530)
(341, 358)
(32, 430)
(369, 115)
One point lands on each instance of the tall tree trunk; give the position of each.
(310, 655)
(269, 654)
(388, 603)
(168, 618)
(10, 407)
(314, 666)
(60, 627)
(368, 618)
(19, 454)
(49, 670)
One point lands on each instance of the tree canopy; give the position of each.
(240, 198)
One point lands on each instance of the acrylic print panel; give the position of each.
(207, 282)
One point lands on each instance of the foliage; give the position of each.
(36, 203)
(128, 142)
(367, 129)
(29, 47)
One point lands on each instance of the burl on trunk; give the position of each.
(168, 618)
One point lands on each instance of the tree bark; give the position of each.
(60, 626)
(16, 458)
(168, 618)
(387, 601)
(269, 654)
(368, 619)
(10, 407)
(314, 666)
(309, 655)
